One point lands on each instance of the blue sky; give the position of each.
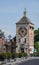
(12, 10)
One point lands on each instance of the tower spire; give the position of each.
(25, 12)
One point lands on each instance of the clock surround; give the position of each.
(22, 31)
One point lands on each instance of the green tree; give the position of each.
(9, 55)
(4, 55)
(36, 37)
(37, 46)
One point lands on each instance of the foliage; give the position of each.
(36, 46)
(25, 54)
(36, 37)
(4, 55)
(13, 55)
(22, 55)
(16, 55)
(1, 58)
(37, 54)
(9, 55)
(36, 40)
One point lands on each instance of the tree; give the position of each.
(36, 40)
(36, 37)
(4, 55)
(9, 55)
(37, 46)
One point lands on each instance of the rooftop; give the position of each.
(24, 19)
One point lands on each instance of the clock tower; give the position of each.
(25, 35)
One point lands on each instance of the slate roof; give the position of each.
(24, 20)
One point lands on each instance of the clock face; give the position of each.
(22, 31)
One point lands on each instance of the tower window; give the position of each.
(30, 27)
(25, 40)
(19, 40)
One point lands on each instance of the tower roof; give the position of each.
(24, 19)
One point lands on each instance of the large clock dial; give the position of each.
(22, 31)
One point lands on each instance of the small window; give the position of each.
(25, 40)
(30, 27)
(19, 40)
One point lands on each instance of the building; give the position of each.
(25, 35)
(2, 41)
(10, 45)
(7, 46)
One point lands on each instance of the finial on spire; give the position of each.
(25, 12)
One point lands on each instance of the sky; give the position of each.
(11, 11)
